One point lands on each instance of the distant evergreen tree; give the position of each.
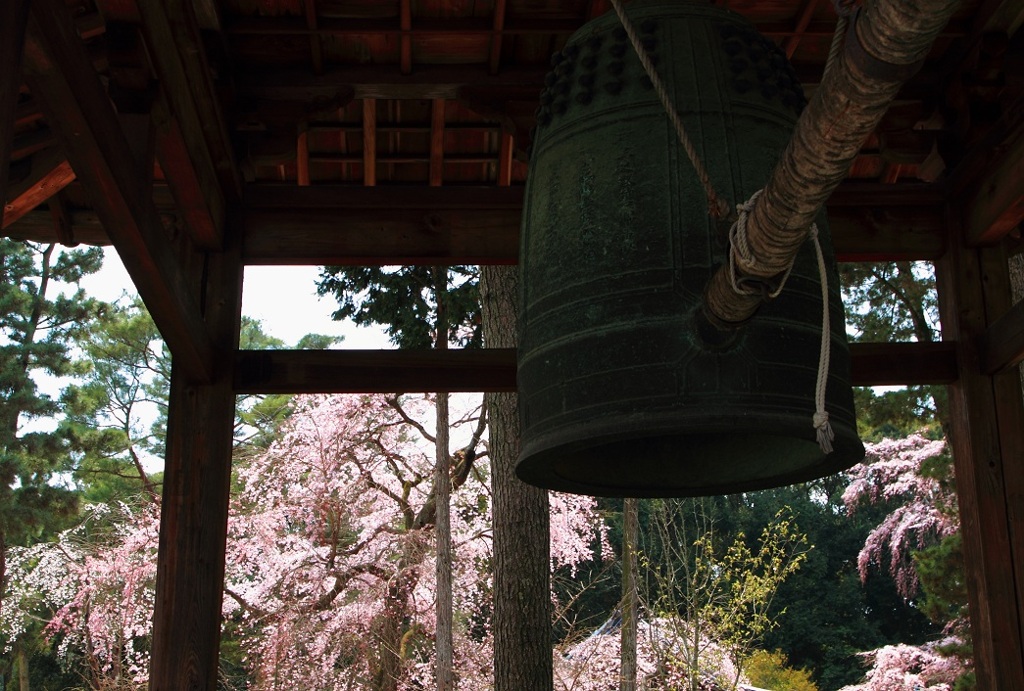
(403, 300)
(40, 323)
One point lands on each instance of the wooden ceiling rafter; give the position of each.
(790, 44)
(369, 142)
(405, 36)
(13, 21)
(29, 143)
(497, 36)
(193, 144)
(50, 173)
(77, 106)
(316, 48)
(437, 126)
(302, 156)
(484, 27)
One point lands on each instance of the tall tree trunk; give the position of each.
(19, 649)
(627, 634)
(445, 672)
(522, 604)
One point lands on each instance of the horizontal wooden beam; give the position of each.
(381, 371)
(321, 224)
(483, 27)
(259, 197)
(421, 225)
(374, 371)
(376, 82)
(381, 237)
(79, 111)
(900, 364)
(49, 174)
(1002, 344)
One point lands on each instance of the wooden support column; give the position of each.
(197, 478)
(987, 438)
(13, 20)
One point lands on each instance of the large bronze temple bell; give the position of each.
(623, 391)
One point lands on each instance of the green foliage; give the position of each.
(827, 615)
(894, 301)
(43, 315)
(771, 671)
(900, 412)
(720, 585)
(402, 298)
(891, 301)
(116, 414)
(38, 328)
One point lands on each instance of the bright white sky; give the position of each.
(283, 298)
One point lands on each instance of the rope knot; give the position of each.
(824, 431)
(742, 261)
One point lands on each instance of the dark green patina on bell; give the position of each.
(620, 393)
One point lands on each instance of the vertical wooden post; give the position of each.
(197, 475)
(13, 20)
(987, 437)
(369, 142)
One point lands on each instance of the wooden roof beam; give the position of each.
(77, 106)
(369, 142)
(494, 369)
(196, 142)
(13, 19)
(994, 203)
(49, 174)
(791, 43)
(388, 225)
(405, 39)
(426, 83)
(316, 48)
(437, 142)
(312, 225)
(481, 26)
(498, 27)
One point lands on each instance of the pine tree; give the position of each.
(39, 325)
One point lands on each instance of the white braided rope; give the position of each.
(740, 253)
(820, 420)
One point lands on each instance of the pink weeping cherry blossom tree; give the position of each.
(900, 473)
(330, 578)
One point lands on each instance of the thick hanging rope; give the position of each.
(821, 424)
(742, 255)
(717, 207)
(844, 10)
